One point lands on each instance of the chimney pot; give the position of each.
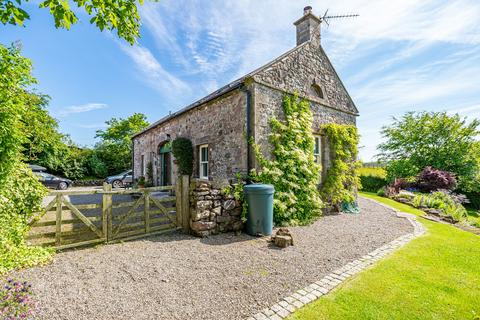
(307, 10)
(308, 27)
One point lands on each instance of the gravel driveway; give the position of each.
(223, 277)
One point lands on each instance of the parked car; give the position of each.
(120, 180)
(51, 181)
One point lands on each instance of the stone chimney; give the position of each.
(308, 27)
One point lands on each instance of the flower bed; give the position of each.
(16, 301)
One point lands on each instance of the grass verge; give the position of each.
(436, 276)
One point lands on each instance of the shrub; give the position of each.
(381, 192)
(448, 203)
(95, 166)
(20, 196)
(474, 199)
(400, 184)
(293, 170)
(431, 179)
(437, 139)
(149, 177)
(182, 150)
(16, 301)
(141, 181)
(372, 183)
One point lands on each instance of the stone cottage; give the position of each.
(220, 124)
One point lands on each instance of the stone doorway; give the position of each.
(164, 177)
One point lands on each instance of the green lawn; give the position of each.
(474, 217)
(436, 276)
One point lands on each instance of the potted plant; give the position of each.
(141, 182)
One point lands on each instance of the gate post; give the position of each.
(107, 212)
(183, 202)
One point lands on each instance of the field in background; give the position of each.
(372, 171)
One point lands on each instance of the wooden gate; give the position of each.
(150, 214)
(86, 217)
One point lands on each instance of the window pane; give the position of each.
(204, 153)
(204, 170)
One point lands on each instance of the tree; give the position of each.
(436, 139)
(20, 192)
(44, 145)
(115, 149)
(15, 77)
(120, 15)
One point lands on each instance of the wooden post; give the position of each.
(183, 202)
(146, 210)
(107, 212)
(58, 220)
(178, 202)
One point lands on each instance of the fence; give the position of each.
(75, 218)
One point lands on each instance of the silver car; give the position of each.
(120, 180)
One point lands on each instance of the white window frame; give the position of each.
(317, 153)
(202, 163)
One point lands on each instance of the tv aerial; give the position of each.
(325, 17)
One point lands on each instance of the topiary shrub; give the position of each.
(431, 179)
(182, 150)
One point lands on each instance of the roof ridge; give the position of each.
(222, 90)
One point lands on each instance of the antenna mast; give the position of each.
(325, 18)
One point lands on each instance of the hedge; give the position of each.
(372, 183)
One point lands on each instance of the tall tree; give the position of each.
(115, 149)
(119, 15)
(436, 139)
(44, 145)
(20, 191)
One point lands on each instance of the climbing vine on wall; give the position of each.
(182, 150)
(293, 170)
(342, 181)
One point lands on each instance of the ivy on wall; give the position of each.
(182, 150)
(342, 180)
(292, 171)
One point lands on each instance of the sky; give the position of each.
(397, 56)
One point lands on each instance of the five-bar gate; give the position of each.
(75, 218)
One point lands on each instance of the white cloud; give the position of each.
(153, 72)
(81, 109)
(397, 55)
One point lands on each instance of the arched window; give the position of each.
(318, 91)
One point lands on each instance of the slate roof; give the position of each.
(232, 86)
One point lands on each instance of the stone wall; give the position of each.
(212, 209)
(303, 67)
(220, 123)
(268, 103)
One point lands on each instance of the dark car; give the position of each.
(51, 181)
(120, 180)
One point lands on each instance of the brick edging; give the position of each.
(312, 292)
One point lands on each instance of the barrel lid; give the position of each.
(259, 188)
